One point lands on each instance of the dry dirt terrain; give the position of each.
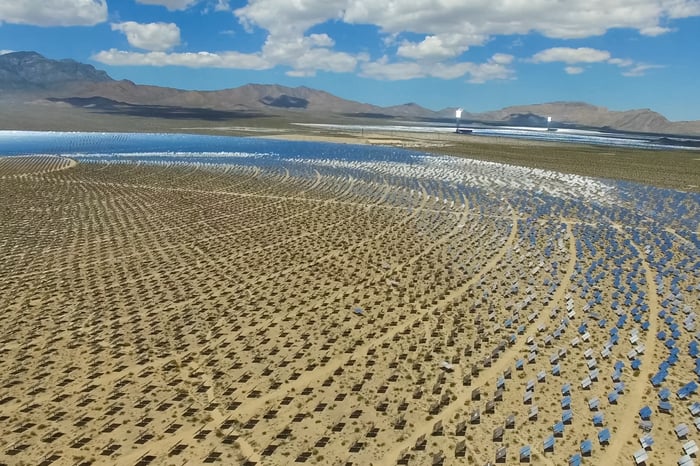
(239, 315)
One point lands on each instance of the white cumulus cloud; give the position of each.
(304, 55)
(422, 38)
(495, 68)
(502, 58)
(621, 62)
(221, 5)
(171, 5)
(233, 60)
(284, 18)
(307, 54)
(150, 36)
(383, 69)
(640, 69)
(440, 46)
(448, 28)
(571, 55)
(53, 12)
(574, 57)
(654, 31)
(473, 20)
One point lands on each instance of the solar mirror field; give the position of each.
(180, 299)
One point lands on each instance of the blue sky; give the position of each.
(477, 54)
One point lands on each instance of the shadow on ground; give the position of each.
(112, 107)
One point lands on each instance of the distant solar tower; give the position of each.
(458, 117)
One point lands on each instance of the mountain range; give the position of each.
(30, 76)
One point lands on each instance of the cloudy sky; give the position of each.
(478, 54)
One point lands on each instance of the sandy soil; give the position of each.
(397, 139)
(182, 315)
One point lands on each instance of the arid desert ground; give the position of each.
(461, 313)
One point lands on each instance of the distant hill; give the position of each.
(582, 114)
(251, 97)
(33, 76)
(31, 71)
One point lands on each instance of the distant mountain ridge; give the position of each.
(35, 76)
(580, 113)
(29, 70)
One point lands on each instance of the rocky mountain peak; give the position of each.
(30, 70)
